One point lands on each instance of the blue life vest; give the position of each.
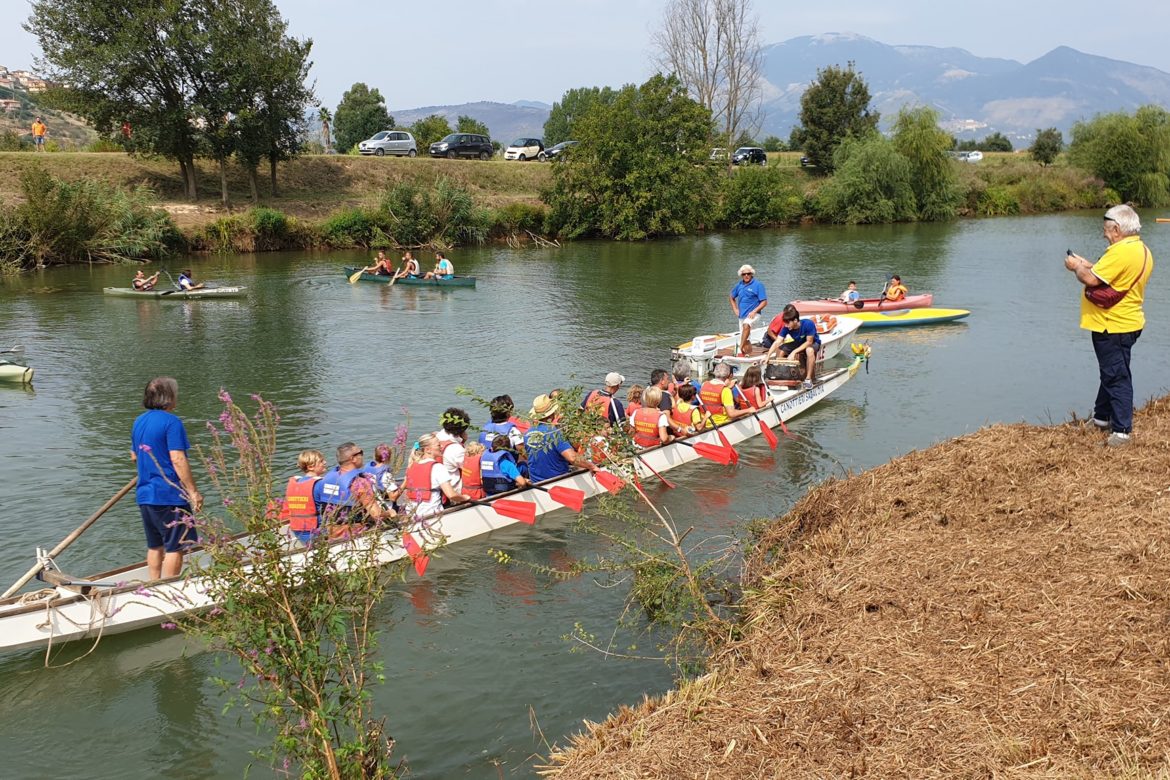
(492, 430)
(375, 471)
(335, 486)
(494, 479)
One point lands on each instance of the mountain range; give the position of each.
(974, 95)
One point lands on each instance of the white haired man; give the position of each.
(1111, 310)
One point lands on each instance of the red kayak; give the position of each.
(835, 306)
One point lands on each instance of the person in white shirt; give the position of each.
(850, 295)
(452, 439)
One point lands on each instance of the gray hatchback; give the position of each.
(385, 142)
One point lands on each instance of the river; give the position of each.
(476, 654)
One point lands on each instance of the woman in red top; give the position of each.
(752, 387)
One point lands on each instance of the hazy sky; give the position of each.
(455, 51)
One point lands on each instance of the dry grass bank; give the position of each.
(312, 186)
(997, 606)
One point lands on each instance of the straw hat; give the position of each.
(543, 407)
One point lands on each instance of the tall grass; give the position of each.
(86, 221)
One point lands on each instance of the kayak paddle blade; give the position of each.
(571, 497)
(354, 277)
(720, 455)
(520, 511)
(727, 446)
(769, 436)
(417, 556)
(609, 481)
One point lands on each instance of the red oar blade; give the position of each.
(609, 481)
(417, 556)
(721, 455)
(521, 511)
(571, 497)
(727, 445)
(769, 435)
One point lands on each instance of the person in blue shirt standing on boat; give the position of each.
(166, 492)
(805, 342)
(549, 453)
(748, 299)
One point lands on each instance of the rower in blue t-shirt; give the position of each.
(805, 343)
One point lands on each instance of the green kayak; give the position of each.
(178, 295)
(458, 281)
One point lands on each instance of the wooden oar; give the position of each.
(15, 348)
(727, 446)
(356, 275)
(565, 496)
(720, 455)
(71, 538)
(520, 511)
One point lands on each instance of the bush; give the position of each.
(516, 218)
(105, 145)
(10, 141)
(354, 227)
(413, 216)
(871, 185)
(759, 197)
(997, 201)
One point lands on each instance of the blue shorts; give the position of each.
(167, 527)
(447, 276)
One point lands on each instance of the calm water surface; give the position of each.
(474, 652)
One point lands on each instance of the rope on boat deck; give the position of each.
(96, 608)
(37, 596)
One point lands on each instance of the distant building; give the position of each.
(9, 105)
(36, 85)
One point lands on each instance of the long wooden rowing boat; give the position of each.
(181, 295)
(121, 600)
(415, 281)
(837, 306)
(14, 372)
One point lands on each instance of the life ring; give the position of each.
(825, 323)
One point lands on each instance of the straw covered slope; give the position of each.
(995, 606)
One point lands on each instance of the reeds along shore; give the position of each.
(994, 606)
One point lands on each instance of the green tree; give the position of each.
(760, 197)
(745, 139)
(430, 129)
(924, 145)
(833, 108)
(361, 113)
(1131, 154)
(574, 104)
(774, 144)
(638, 170)
(1047, 146)
(467, 124)
(872, 184)
(996, 142)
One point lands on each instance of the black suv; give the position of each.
(463, 145)
(750, 155)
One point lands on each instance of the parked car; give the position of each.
(971, 157)
(750, 155)
(463, 145)
(807, 163)
(557, 152)
(524, 149)
(397, 142)
(718, 154)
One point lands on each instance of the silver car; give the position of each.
(385, 142)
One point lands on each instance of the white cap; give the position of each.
(746, 269)
(613, 379)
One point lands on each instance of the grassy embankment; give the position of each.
(977, 609)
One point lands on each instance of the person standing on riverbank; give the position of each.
(1111, 310)
(166, 488)
(748, 299)
(39, 130)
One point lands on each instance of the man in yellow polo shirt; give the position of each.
(1125, 267)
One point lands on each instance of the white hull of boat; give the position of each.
(123, 600)
(701, 351)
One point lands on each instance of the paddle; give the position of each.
(664, 480)
(356, 275)
(15, 348)
(720, 455)
(610, 482)
(417, 556)
(571, 497)
(520, 511)
(71, 538)
(765, 429)
(727, 446)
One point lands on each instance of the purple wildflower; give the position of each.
(168, 626)
(400, 435)
(227, 501)
(142, 591)
(223, 396)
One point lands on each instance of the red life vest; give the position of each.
(598, 403)
(685, 419)
(418, 482)
(523, 426)
(711, 397)
(473, 477)
(646, 427)
(299, 509)
(631, 407)
(755, 396)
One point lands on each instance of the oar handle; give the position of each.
(71, 538)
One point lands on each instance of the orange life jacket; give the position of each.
(598, 403)
(646, 427)
(418, 481)
(523, 426)
(711, 397)
(631, 407)
(755, 396)
(685, 418)
(300, 511)
(825, 323)
(472, 477)
(896, 292)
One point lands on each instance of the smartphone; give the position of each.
(1068, 252)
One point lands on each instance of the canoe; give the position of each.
(903, 317)
(834, 306)
(703, 352)
(180, 295)
(122, 600)
(458, 281)
(14, 372)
